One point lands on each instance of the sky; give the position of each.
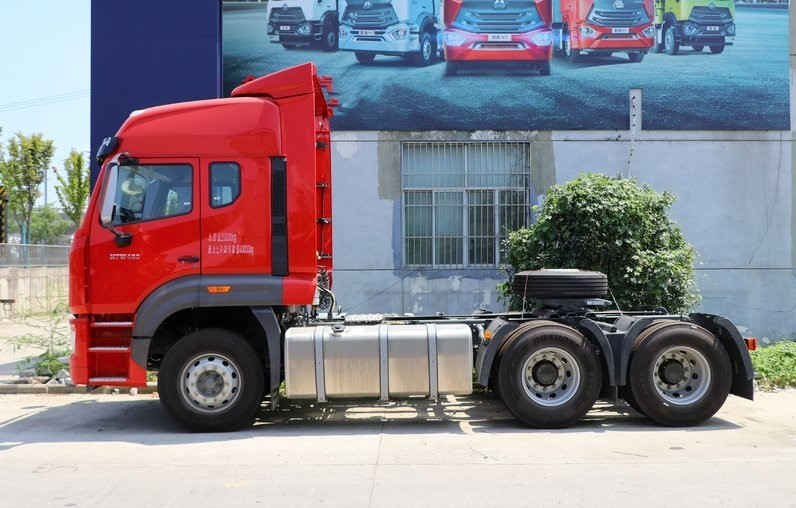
(45, 75)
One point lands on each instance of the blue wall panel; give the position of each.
(150, 52)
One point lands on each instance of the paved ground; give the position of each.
(122, 451)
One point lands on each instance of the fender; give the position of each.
(729, 336)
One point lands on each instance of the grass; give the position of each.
(775, 365)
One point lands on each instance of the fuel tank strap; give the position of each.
(433, 382)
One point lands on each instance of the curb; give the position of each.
(54, 389)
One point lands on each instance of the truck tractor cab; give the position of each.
(603, 27)
(294, 23)
(484, 31)
(390, 27)
(695, 23)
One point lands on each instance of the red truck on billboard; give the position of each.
(206, 253)
(603, 27)
(490, 31)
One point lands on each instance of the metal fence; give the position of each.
(14, 254)
(34, 279)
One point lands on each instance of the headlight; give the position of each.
(270, 29)
(304, 29)
(542, 39)
(690, 30)
(731, 29)
(454, 39)
(343, 32)
(649, 31)
(587, 32)
(398, 34)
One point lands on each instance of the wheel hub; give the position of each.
(551, 377)
(672, 372)
(682, 375)
(211, 383)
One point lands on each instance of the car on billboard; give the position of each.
(293, 23)
(602, 27)
(488, 31)
(405, 28)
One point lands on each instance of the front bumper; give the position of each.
(599, 38)
(461, 46)
(303, 33)
(698, 34)
(397, 39)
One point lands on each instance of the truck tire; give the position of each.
(211, 381)
(572, 55)
(716, 48)
(549, 376)
(697, 49)
(426, 52)
(635, 56)
(544, 68)
(559, 284)
(365, 57)
(451, 68)
(670, 43)
(679, 374)
(329, 36)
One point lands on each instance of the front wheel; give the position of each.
(717, 48)
(365, 57)
(670, 43)
(211, 381)
(329, 37)
(679, 374)
(549, 376)
(635, 57)
(451, 68)
(544, 68)
(426, 51)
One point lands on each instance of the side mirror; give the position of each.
(109, 196)
(108, 209)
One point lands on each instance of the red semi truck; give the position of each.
(207, 245)
(491, 31)
(603, 27)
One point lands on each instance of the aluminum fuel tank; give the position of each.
(379, 361)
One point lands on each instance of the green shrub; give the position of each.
(775, 365)
(616, 226)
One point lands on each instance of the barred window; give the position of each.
(460, 200)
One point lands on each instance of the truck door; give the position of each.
(155, 201)
(236, 221)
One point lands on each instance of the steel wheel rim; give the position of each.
(331, 39)
(668, 39)
(694, 382)
(567, 378)
(210, 383)
(426, 50)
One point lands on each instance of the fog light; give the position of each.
(587, 32)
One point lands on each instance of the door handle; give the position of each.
(188, 259)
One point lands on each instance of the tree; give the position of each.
(73, 188)
(615, 226)
(46, 226)
(23, 173)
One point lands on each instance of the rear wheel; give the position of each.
(549, 376)
(365, 57)
(717, 48)
(679, 374)
(211, 381)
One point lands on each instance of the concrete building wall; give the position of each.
(734, 202)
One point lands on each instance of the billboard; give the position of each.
(525, 64)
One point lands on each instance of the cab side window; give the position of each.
(224, 183)
(148, 192)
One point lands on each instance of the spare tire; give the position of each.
(559, 284)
